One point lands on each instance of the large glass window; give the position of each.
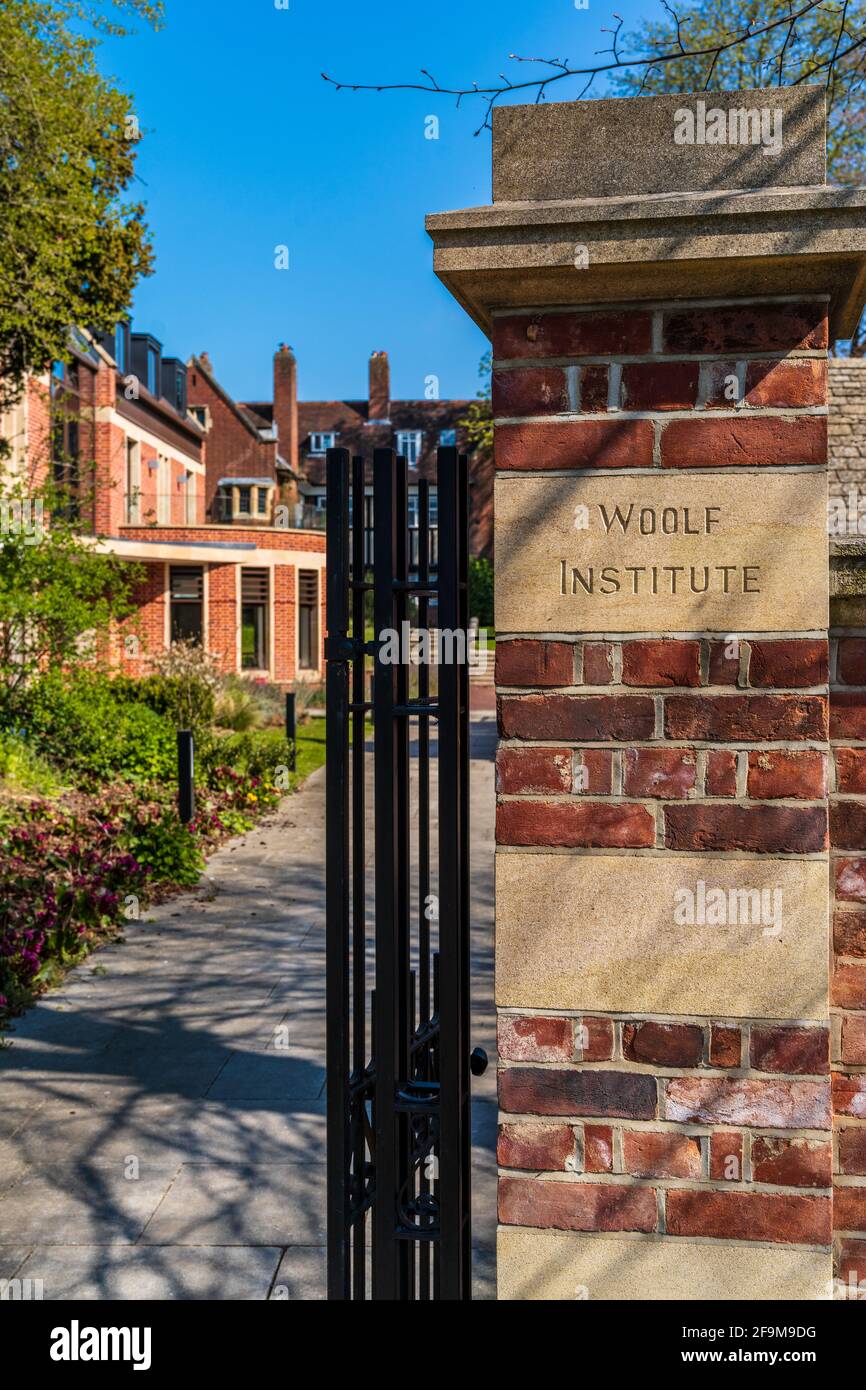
(254, 619)
(133, 482)
(66, 436)
(163, 493)
(308, 620)
(186, 589)
(245, 497)
(120, 347)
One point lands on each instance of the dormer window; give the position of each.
(322, 441)
(409, 443)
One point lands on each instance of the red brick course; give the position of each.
(571, 335)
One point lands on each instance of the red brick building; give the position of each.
(131, 459)
(262, 455)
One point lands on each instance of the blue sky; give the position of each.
(246, 148)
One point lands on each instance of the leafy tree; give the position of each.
(59, 593)
(72, 245)
(478, 420)
(785, 55)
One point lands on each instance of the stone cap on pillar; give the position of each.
(695, 195)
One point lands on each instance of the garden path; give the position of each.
(156, 1139)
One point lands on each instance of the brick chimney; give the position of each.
(286, 403)
(380, 387)
(204, 359)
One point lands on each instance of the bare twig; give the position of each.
(677, 51)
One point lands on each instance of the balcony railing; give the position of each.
(292, 515)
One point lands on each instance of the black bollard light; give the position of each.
(185, 775)
(291, 729)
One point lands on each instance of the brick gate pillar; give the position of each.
(662, 925)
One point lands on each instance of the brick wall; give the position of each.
(676, 1125)
(233, 448)
(847, 425)
(848, 834)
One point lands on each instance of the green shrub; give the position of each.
(481, 591)
(183, 684)
(237, 706)
(82, 726)
(23, 769)
(166, 849)
(256, 753)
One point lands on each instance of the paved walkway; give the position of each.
(158, 1140)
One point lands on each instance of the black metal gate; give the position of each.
(398, 1051)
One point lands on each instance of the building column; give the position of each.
(662, 923)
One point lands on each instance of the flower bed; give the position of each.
(72, 872)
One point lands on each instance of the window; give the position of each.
(409, 445)
(120, 347)
(180, 391)
(222, 506)
(262, 501)
(151, 371)
(245, 497)
(163, 490)
(447, 438)
(434, 507)
(320, 442)
(186, 596)
(199, 411)
(308, 620)
(133, 482)
(66, 435)
(191, 494)
(413, 511)
(254, 620)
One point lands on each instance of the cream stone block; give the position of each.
(556, 1265)
(662, 552)
(680, 934)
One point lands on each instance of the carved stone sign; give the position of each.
(662, 552)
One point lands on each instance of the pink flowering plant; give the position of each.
(63, 878)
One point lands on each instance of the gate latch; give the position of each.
(339, 648)
(478, 1061)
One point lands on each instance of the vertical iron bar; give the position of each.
(405, 1019)
(389, 1282)
(453, 1043)
(337, 886)
(424, 828)
(465, 925)
(359, 875)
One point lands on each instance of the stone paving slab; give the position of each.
(169, 1272)
(192, 1054)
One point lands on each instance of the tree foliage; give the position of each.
(72, 242)
(59, 593)
(478, 420)
(784, 56)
